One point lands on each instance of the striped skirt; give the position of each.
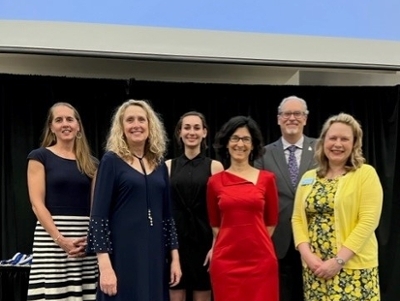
(53, 275)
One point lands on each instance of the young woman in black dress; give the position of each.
(189, 174)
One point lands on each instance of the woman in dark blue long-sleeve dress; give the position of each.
(131, 227)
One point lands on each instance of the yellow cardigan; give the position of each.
(358, 206)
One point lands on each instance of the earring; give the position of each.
(78, 135)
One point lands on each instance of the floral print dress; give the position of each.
(349, 284)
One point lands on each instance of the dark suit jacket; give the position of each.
(274, 160)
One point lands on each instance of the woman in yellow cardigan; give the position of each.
(337, 209)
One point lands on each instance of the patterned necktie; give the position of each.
(293, 167)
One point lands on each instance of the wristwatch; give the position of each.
(340, 261)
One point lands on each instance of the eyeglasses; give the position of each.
(236, 139)
(287, 114)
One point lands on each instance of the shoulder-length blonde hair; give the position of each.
(85, 161)
(356, 158)
(156, 143)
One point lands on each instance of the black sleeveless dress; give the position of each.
(188, 190)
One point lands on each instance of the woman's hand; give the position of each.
(108, 282)
(328, 269)
(80, 248)
(80, 242)
(313, 261)
(208, 258)
(176, 273)
(74, 247)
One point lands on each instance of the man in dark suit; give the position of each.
(292, 117)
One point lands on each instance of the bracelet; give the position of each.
(58, 237)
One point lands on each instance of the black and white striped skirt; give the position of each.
(53, 275)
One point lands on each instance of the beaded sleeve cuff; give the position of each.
(99, 236)
(170, 234)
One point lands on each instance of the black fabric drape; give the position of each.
(13, 283)
(24, 102)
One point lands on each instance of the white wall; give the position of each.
(162, 54)
(88, 67)
(349, 78)
(197, 45)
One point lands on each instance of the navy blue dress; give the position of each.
(54, 275)
(120, 226)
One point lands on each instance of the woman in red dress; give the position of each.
(242, 204)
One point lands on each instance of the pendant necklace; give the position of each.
(149, 215)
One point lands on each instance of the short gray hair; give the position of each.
(293, 97)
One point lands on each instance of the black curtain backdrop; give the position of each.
(24, 101)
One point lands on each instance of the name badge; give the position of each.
(307, 181)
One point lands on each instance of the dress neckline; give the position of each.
(332, 180)
(59, 156)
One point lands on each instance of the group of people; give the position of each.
(290, 220)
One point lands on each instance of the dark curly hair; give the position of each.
(223, 135)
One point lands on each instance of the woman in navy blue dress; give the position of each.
(60, 175)
(131, 227)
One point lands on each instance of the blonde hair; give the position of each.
(356, 158)
(85, 161)
(156, 144)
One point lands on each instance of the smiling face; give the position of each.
(136, 125)
(192, 131)
(240, 145)
(292, 118)
(64, 124)
(338, 143)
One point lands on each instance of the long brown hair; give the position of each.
(178, 128)
(86, 163)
